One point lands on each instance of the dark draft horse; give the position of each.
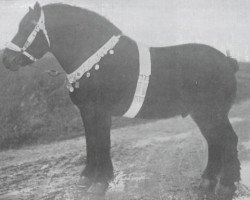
(189, 79)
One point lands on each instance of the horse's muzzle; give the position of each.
(9, 62)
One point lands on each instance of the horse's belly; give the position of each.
(162, 98)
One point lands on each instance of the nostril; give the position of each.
(6, 61)
(4, 58)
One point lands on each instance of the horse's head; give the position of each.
(31, 41)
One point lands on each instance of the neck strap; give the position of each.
(92, 60)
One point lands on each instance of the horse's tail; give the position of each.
(231, 90)
(233, 63)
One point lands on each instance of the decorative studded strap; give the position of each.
(91, 61)
(142, 83)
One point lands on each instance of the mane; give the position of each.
(84, 14)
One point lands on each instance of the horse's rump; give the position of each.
(186, 76)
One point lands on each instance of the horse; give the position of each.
(103, 70)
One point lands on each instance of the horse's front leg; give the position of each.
(98, 170)
(88, 173)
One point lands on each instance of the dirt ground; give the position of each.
(160, 160)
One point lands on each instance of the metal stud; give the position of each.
(71, 89)
(111, 51)
(97, 67)
(88, 74)
(77, 84)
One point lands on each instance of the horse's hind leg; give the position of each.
(223, 163)
(230, 171)
(207, 126)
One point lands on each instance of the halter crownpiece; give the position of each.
(39, 26)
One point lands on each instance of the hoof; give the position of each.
(224, 192)
(207, 185)
(98, 188)
(84, 182)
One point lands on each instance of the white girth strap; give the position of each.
(142, 83)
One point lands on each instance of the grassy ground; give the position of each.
(35, 108)
(160, 160)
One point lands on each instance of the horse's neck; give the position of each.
(74, 38)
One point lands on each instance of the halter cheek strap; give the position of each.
(39, 26)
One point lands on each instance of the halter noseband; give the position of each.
(39, 26)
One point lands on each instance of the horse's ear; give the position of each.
(37, 7)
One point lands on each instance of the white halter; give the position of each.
(39, 26)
